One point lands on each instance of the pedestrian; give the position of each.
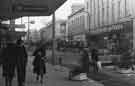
(60, 60)
(39, 67)
(8, 62)
(85, 62)
(21, 64)
(94, 58)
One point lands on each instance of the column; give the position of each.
(12, 23)
(134, 34)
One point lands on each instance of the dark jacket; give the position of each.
(41, 49)
(85, 61)
(22, 56)
(39, 60)
(94, 55)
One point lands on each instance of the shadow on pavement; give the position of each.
(108, 80)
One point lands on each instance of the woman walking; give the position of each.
(39, 63)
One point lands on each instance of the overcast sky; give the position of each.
(61, 13)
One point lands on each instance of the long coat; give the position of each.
(21, 63)
(9, 59)
(39, 62)
(94, 55)
(85, 61)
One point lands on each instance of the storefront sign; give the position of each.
(126, 26)
(14, 25)
(29, 8)
(117, 27)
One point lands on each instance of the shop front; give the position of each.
(117, 38)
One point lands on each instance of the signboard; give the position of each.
(10, 9)
(29, 8)
(15, 34)
(18, 26)
(124, 26)
(14, 26)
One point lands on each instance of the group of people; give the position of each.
(85, 62)
(14, 56)
(14, 60)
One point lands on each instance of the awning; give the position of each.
(11, 9)
(13, 35)
(13, 26)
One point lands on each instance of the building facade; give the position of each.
(77, 25)
(60, 30)
(76, 7)
(64, 30)
(112, 24)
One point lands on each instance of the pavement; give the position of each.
(107, 77)
(58, 75)
(55, 76)
(126, 79)
(111, 79)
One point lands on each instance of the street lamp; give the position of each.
(29, 22)
(53, 40)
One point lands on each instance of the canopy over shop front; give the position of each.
(11, 9)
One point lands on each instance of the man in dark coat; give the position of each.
(21, 62)
(8, 62)
(85, 61)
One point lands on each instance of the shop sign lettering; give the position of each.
(117, 27)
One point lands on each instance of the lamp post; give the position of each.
(21, 20)
(53, 40)
(28, 28)
(29, 22)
